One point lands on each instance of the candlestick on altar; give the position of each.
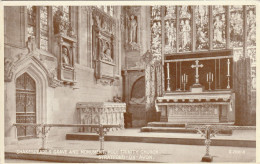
(228, 85)
(228, 65)
(228, 74)
(209, 79)
(184, 81)
(168, 78)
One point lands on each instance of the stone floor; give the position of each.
(134, 151)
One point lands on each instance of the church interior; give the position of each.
(151, 68)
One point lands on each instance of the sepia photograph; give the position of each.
(124, 83)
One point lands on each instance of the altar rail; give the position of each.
(43, 129)
(209, 131)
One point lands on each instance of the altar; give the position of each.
(198, 88)
(106, 113)
(210, 107)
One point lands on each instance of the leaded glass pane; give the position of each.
(185, 28)
(202, 27)
(170, 29)
(156, 46)
(156, 13)
(251, 26)
(66, 16)
(236, 26)
(219, 27)
(31, 20)
(44, 28)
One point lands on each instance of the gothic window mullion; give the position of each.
(228, 27)
(37, 31)
(193, 36)
(163, 31)
(177, 28)
(210, 28)
(245, 30)
(44, 30)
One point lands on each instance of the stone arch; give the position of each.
(39, 74)
(137, 85)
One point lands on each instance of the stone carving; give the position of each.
(31, 44)
(58, 24)
(133, 29)
(70, 31)
(106, 54)
(8, 68)
(108, 113)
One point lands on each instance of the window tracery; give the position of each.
(219, 27)
(44, 29)
(202, 27)
(31, 20)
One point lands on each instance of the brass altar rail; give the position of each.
(43, 129)
(209, 131)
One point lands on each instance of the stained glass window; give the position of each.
(236, 26)
(107, 9)
(170, 29)
(219, 27)
(66, 13)
(202, 27)
(185, 28)
(44, 29)
(31, 20)
(251, 26)
(156, 28)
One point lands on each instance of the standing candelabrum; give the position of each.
(184, 80)
(228, 74)
(209, 79)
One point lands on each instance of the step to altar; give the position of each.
(178, 130)
(237, 139)
(170, 124)
(167, 127)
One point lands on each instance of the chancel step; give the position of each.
(177, 130)
(169, 124)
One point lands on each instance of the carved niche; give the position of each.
(64, 48)
(132, 27)
(103, 46)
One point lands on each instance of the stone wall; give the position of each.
(55, 103)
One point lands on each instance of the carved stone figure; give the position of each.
(8, 66)
(65, 56)
(133, 27)
(106, 54)
(70, 31)
(98, 21)
(31, 44)
(58, 23)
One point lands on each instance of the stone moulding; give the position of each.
(37, 58)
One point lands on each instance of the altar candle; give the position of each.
(168, 71)
(228, 66)
(207, 77)
(212, 77)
